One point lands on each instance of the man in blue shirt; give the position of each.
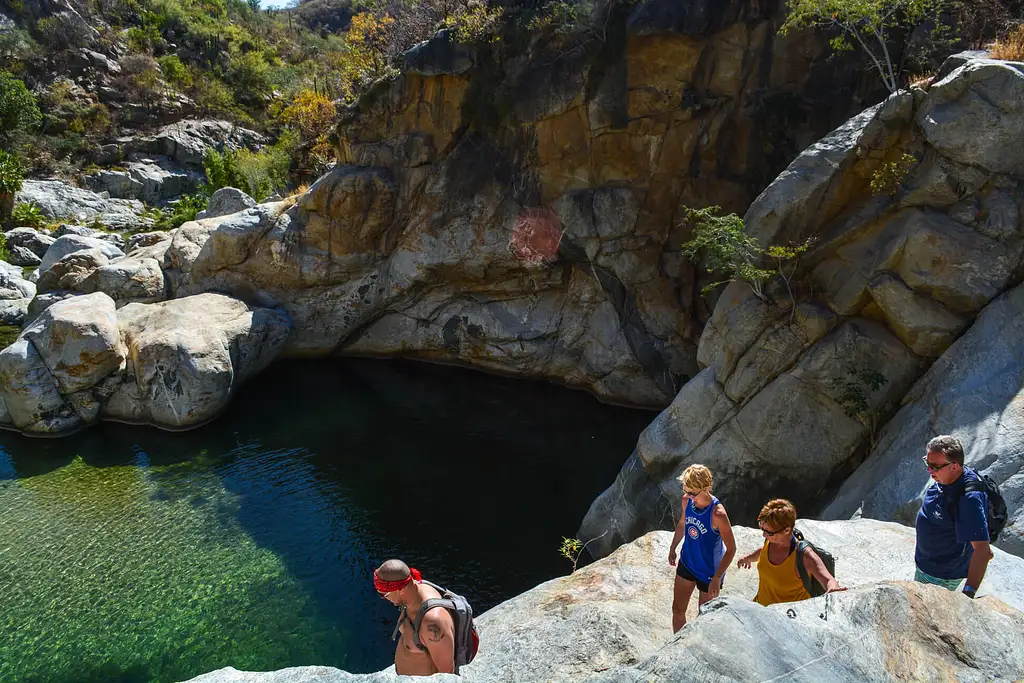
(952, 526)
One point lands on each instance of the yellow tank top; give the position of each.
(778, 583)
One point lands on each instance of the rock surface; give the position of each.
(60, 201)
(975, 392)
(69, 244)
(187, 356)
(227, 200)
(791, 398)
(611, 621)
(420, 243)
(29, 238)
(174, 365)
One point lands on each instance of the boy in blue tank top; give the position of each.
(708, 543)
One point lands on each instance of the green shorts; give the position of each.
(948, 584)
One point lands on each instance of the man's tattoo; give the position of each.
(435, 633)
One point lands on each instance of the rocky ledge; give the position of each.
(610, 622)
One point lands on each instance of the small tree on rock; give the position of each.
(723, 246)
(864, 24)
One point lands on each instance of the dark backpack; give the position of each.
(811, 584)
(996, 515)
(467, 638)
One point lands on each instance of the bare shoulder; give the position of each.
(436, 624)
(720, 514)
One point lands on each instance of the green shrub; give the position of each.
(184, 210)
(28, 214)
(175, 71)
(258, 174)
(249, 75)
(18, 109)
(11, 173)
(890, 176)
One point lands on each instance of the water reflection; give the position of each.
(131, 554)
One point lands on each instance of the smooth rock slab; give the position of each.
(611, 622)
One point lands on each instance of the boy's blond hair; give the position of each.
(778, 513)
(696, 478)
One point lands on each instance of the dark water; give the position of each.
(130, 554)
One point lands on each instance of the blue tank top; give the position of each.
(703, 548)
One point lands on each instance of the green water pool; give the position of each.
(129, 554)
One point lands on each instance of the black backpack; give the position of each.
(467, 638)
(811, 584)
(996, 515)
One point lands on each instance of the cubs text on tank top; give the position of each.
(779, 582)
(703, 548)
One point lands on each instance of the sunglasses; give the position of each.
(769, 531)
(692, 493)
(935, 468)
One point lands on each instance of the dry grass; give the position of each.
(292, 199)
(924, 81)
(1011, 47)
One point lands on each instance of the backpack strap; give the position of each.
(801, 570)
(428, 605)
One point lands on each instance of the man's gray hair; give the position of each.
(949, 446)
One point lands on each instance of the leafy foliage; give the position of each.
(854, 389)
(890, 175)
(723, 246)
(863, 24)
(28, 214)
(182, 211)
(1010, 47)
(19, 111)
(258, 174)
(475, 22)
(11, 173)
(313, 117)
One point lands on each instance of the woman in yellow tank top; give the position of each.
(778, 578)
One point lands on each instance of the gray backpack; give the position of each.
(467, 638)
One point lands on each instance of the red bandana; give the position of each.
(383, 586)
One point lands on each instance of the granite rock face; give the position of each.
(797, 386)
(519, 215)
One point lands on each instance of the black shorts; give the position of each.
(683, 573)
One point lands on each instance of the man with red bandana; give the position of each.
(400, 585)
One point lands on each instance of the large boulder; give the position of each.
(20, 256)
(47, 374)
(227, 200)
(71, 270)
(29, 238)
(611, 622)
(973, 391)
(61, 201)
(126, 281)
(187, 356)
(975, 116)
(79, 341)
(803, 376)
(186, 142)
(69, 244)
